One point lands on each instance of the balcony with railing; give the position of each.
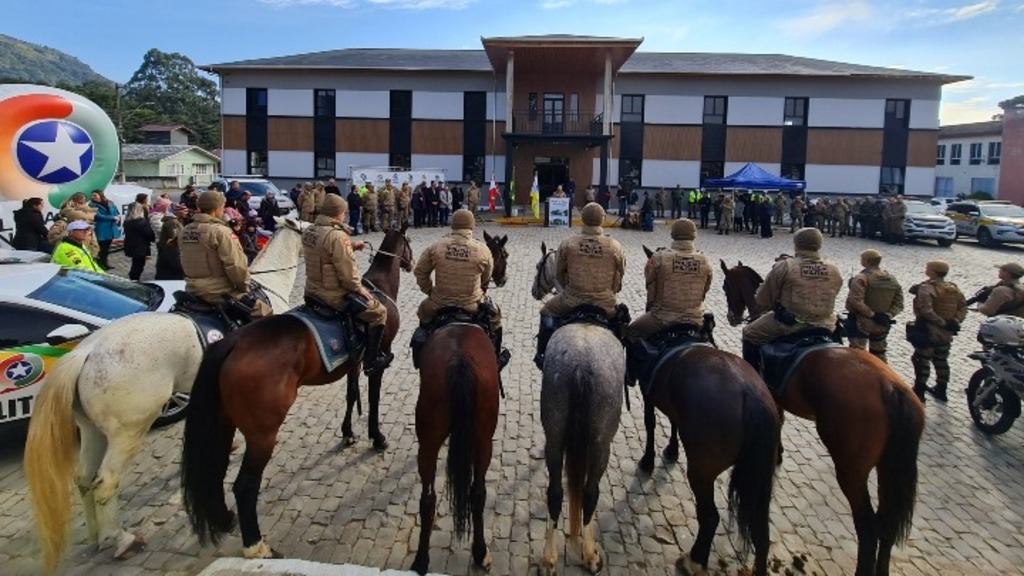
(535, 122)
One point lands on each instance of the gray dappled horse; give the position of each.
(580, 404)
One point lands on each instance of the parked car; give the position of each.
(926, 222)
(258, 188)
(992, 222)
(942, 203)
(45, 310)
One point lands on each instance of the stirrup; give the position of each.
(503, 358)
(378, 364)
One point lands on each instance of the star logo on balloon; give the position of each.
(54, 151)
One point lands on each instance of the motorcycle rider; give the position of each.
(875, 298)
(1006, 297)
(939, 308)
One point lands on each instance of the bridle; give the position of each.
(542, 267)
(408, 261)
(504, 254)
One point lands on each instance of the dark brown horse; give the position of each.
(458, 401)
(868, 419)
(725, 416)
(247, 382)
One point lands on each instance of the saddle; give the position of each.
(212, 323)
(780, 358)
(338, 335)
(448, 316)
(646, 355)
(590, 314)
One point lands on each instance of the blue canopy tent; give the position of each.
(753, 177)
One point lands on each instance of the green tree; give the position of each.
(1015, 102)
(176, 92)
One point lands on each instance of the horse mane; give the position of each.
(750, 272)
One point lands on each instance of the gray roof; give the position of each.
(156, 152)
(679, 63)
(990, 128)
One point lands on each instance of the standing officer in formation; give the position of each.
(370, 209)
(939, 308)
(802, 292)
(215, 266)
(875, 298)
(333, 277)
(589, 268)
(387, 204)
(796, 214)
(1006, 297)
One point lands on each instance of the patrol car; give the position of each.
(257, 186)
(992, 222)
(44, 309)
(925, 222)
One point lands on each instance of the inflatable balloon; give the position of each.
(53, 143)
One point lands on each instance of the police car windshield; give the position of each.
(258, 188)
(99, 295)
(920, 208)
(1002, 211)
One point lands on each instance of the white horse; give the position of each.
(114, 384)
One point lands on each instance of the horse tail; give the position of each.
(897, 472)
(50, 455)
(461, 445)
(753, 475)
(205, 451)
(577, 446)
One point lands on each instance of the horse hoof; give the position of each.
(138, 544)
(348, 439)
(420, 565)
(595, 565)
(687, 566)
(380, 443)
(671, 454)
(259, 551)
(546, 569)
(646, 464)
(487, 561)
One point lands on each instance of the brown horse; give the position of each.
(866, 416)
(725, 416)
(247, 382)
(458, 399)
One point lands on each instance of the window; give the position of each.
(792, 171)
(400, 160)
(257, 162)
(940, 155)
(711, 169)
(554, 109)
(944, 187)
(632, 108)
(995, 151)
(175, 169)
(533, 104)
(630, 172)
(715, 109)
(975, 153)
(796, 112)
(256, 101)
(203, 169)
(99, 295)
(892, 180)
(984, 186)
(897, 113)
(955, 153)
(25, 326)
(473, 168)
(323, 103)
(324, 167)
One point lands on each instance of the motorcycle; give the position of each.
(994, 392)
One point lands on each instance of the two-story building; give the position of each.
(591, 109)
(968, 158)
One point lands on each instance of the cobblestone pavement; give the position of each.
(327, 503)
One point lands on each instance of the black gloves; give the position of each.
(953, 326)
(882, 318)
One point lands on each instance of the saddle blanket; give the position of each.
(686, 347)
(336, 338)
(780, 359)
(209, 327)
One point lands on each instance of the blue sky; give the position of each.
(979, 38)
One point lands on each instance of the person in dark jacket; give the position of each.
(138, 235)
(647, 210)
(355, 209)
(29, 227)
(268, 211)
(765, 212)
(168, 256)
(419, 207)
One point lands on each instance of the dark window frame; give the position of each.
(261, 166)
(795, 111)
(956, 153)
(891, 186)
(321, 96)
(897, 113)
(940, 155)
(793, 171)
(975, 153)
(329, 167)
(719, 110)
(632, 108)
(995, 153)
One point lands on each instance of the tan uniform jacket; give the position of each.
(215, 265)
(462, 267)
(933, 313)
(387, 197)
(473, 198)
(370, 201)
(310, 202)
(677, 281)
(331, 270)
(1004, 299)
(805, 285)
(859, 298)
(797, 207)
(404, 196)
(728, 207)
(589, 268)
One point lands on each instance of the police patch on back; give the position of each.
(814, 270)
(591, 247)
(685, 265)
(458, 252)
(190, 234)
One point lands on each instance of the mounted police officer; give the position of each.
(589, 268)
(216, 269)
(1006, 297)
(874, 299)
(462, 267)
(939, 308)
(801, 291)
(332, 276)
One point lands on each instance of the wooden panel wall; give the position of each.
(437, 137)
(749, 144)
(294, 134)
(234, 132)
(668, 142)
(921, 148)
(845, 147)
(361, 135)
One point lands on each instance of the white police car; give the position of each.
(42, 304)
(257, 186)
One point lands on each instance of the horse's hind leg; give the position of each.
(650, 422)
(120, 450)
(351, 398)
(671, 452)
(379, 441)
(703, 485)
(428, 504)
(854, 485)
(481, 555)
(596, 469)
(90, 456)
(258, 449)
(554, 449)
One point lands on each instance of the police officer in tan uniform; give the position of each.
(589, 268)
(404, 204)
(386, 197)
(796, 214)
(874, 299)
(370, 209)
(725, 213)
(678, 279)
(215, 266)
(310, 200)
(332, 275)
(780, 208)
(1006, 297)
(939, 308)
(799, 293)
(473, 197)
(462, 267)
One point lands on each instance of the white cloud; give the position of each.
(976, 109)
(388, 4)
(964, 86)
(556, 4)
(826, 18)
(934, 16)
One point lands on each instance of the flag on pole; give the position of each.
(535, 197)
(492, 195)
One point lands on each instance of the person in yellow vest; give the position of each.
(1006, 297)
(72, 251)
(332, 276)
(939, 308)
(215, 266)
(799, 293)
(875, 298)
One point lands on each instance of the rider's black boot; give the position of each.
(503, 354)
(752, 354)
(547, 328)
(373, 359)
(419, 338)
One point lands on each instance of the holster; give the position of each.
(784, 316)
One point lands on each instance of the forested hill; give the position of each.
(32, 63)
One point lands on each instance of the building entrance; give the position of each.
(551, 172)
